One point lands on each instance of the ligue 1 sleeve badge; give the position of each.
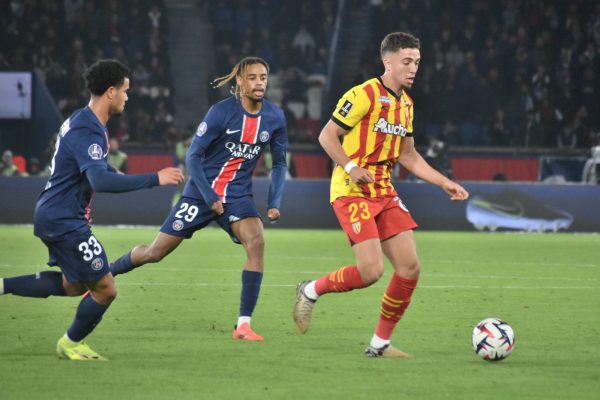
(264, 136)
(201, 129)
(95, 152)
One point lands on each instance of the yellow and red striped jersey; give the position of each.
(376, 120)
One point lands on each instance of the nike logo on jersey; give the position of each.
(229, 131)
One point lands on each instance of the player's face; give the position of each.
(253, 82)
(402, 66)
(119, 98)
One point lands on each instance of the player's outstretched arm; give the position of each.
(415, 163)
(102, 180)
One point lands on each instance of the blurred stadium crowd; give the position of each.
(502, 72)
(494, 73)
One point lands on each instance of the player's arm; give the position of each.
(278, 146)
(103, 180)
(207, 131)
(194, 162)
(414, 162)
(329, 140)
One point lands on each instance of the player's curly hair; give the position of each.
(238, 70)
(103, 74)
(395, 41)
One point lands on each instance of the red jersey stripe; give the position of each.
(364, 125)
(250, 129)
(225, 176)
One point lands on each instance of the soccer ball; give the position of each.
(493, 339)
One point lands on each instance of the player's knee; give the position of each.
(255, 244)
(410, 269)
(371, 272)
(106, 296)
(154, 255)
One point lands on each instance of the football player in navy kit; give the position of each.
(221, 160)
(62, 215)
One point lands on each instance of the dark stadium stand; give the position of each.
(502, 83)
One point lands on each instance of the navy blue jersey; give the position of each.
(62, 207)
(226, 147)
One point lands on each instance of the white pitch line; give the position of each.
(533, 278)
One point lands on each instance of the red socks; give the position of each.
(344, 279)
(395, 301)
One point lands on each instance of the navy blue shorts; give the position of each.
(80, 257)
(190, 215)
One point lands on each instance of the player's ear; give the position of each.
(387, 64)
(110, 92)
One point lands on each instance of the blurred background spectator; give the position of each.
(494, 75)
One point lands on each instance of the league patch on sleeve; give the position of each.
(95, 152)
(345, 109)
(201, 129)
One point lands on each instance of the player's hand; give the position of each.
(273, 214)
(456, 192)
(361, 175)
(217, 207)
(170, 176)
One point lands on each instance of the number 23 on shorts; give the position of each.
(359, 211)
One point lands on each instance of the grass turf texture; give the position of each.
(168, 335)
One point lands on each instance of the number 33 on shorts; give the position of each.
(90, 248)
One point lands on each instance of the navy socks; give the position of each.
(122, 265)
(42, 284)
(88, 315)
(251, 281)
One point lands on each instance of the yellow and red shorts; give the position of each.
(364, 218)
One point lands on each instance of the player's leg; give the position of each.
(249, 231)
(399, 247)
(142, 254)
(186, 217)
(401, 251)
(368, 270)
(42, 284)
(88, 315)
(357, 217)
(83, 262)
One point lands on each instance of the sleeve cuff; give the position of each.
(341, 124)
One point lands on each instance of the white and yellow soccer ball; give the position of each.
(493, 339)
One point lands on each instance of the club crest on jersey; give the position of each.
(97, 264)
(264, 136)
(391, 129)
(95, 152)
(177, 225)
(345, 109)
(201, 129)
(356, 227)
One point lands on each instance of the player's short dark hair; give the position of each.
(395, 41)
(103, 74)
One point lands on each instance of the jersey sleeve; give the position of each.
(208, 130)
(278, 145)
(351, 108)
(89, 148)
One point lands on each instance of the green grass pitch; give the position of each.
(168, 335)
